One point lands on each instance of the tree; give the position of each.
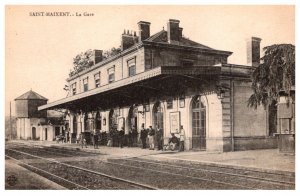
(276, 74)
(83, 61)
(112, 52)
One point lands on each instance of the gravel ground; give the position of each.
(156, 178)
(156, 175)
(286, 177)
(187, 170)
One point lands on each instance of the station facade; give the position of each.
(166, 80)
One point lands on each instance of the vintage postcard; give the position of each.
(150, 97)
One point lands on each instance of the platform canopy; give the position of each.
(160, 81)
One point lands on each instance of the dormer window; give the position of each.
(111, 74)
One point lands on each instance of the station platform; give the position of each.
(265, 160)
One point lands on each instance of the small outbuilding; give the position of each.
(33, 124)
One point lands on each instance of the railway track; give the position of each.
(164, 175)
(73, 177)
(281, 179)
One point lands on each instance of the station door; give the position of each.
(198, 124)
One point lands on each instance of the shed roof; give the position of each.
(31, 95)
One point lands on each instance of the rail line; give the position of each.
(45, 172)
(168, 173)
(134, 184)
(138, 184)
(248, 177)
(278, 182)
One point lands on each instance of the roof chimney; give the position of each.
(97, 56)
(128, 40)
(144, 30)
(180, 33)
(173, 31)
(253, 51)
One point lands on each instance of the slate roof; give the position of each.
(162, 37)
(31, 95)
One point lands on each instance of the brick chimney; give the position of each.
(253, 51)
(128, 39)
(144, 30)
(97, 56)
(180, 33)
(173, 31)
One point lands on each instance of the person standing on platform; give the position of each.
(151, 138)
(95, 139)
(110, 136)
(159, 138)
(182, 137)
(83, 140)
(68, 137)
(129, 138)
(121, 137)
(134, 136)
(143, 136)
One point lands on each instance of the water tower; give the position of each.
(28, 116)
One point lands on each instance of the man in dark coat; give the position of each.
(121, 137)
(134, 135)
(151, 135)
(159, 138)
(173, 142)
(144, 135)
(95, 139)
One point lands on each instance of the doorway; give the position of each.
(158, 116)
(46, 134)
(198, 124)
(33, 133)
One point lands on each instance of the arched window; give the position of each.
(132, 116)
(198, 124)
(113, 120)
(158, 116)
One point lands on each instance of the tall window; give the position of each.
(111, 75)
(97, 79)
(85, 84)
(198, 124)
(74, 88)
(131, 67)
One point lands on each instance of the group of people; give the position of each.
(153, 136)
(95, 137)
(64, 138)
(156, 136)
(116, 138)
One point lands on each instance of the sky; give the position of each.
(39, 49)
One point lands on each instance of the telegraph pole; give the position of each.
(10, 120)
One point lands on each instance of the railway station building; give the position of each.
(166, 80)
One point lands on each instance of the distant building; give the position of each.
(33, 124)
(166, 80)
